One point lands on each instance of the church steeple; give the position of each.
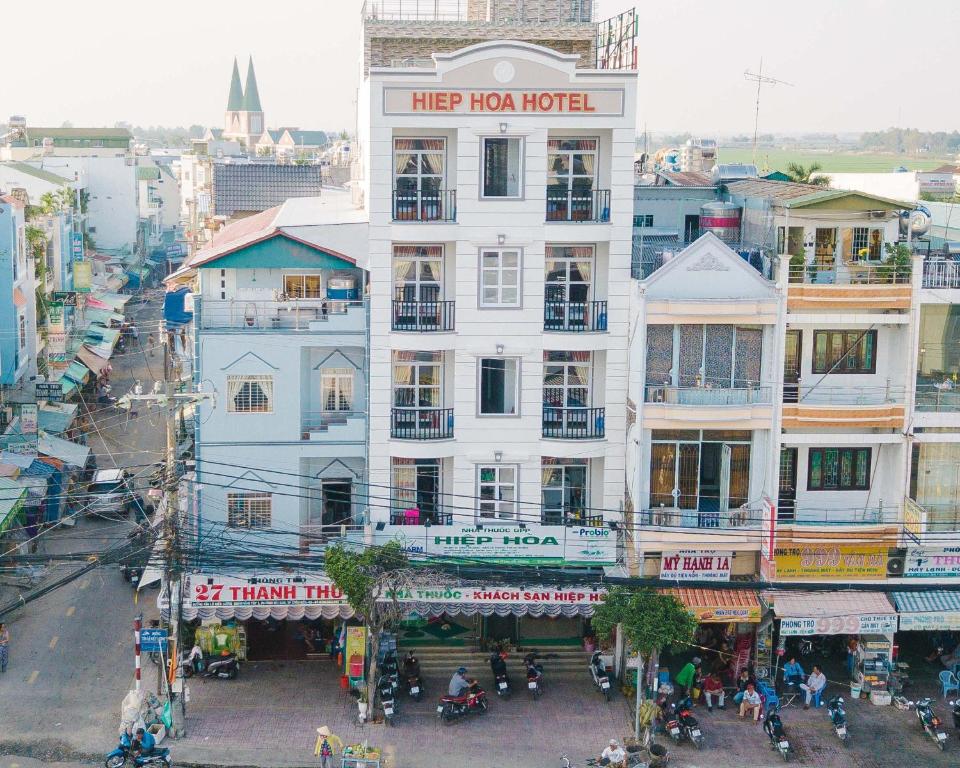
(251, 96)
(235, 100)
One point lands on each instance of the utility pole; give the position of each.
(760, 79)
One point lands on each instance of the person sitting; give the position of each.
(614, 755)
(459, 685)
(793, 673)
(743, 681)
(713, 688)
(144, 744)
(815, 683)
(310, 637)
(751, 702)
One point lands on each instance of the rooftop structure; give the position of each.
(255, 187)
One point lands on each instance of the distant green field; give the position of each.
(837, 162)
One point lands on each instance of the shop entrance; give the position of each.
(501, 629)
(288, 640)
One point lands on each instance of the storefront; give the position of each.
(933, 611)
(869, 617)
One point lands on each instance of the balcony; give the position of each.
(315, 536)
(414, 516)
(421, 423)
(738, 518)
(709, 396)
(419, 205)
(941, 273)
(574, 12)
(338, 425)
(920, 519)
(879, 407)
(938, 398)
(573, 423)
(423, 316)
(828, 518)
(587, 206)
(291, 315)
(854, 285)
(574, 316)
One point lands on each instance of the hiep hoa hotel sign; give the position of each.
(514, 101)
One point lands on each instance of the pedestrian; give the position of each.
(150, 342)
(326, 745)
(4, 643)
(134, 332)
(686, 677)
(852, 647)
(134, 403)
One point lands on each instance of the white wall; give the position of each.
(896, 186)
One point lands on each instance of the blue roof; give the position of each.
(933, 601)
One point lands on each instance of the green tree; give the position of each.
(805, 175)
(650, 621)
(372, 581)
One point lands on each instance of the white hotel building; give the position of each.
(499, 186)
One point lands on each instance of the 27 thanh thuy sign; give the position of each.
(412, 101)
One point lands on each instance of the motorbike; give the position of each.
(451, 708)
(773, 726)
(838, 717)
(414, 686)
(387, 701)
(681, 724)
(118, 757)
(501, 680)
(224, 667)
(598, 672)
(390, 669)
(534, 675)
(931, 724)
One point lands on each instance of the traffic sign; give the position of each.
(153, 640)
(51, 391)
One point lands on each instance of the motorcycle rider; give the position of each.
(498, 666)
(459, 685)
(144, 744)
(773, 725)
(614, 754)
(411, 666)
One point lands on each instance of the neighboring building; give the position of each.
(68, 142)
(500, 191)
(241, 189)
(281, 326)
(941, 182)
(296, 144)
(267, 143)
(243, 120)
(18, 342)
(158, 198)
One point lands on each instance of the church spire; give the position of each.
(235, 100)
(251, 96)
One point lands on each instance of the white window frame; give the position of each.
(415, 386)
(499, 271)
(342, 380)
(321, 294)
(235, 385)
(421, 286)
(498, 484)
(241, 514)
(518, 384)
(520, 167)
(419, 175)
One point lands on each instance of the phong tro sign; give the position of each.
(412, 101)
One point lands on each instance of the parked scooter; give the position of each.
(451, 708)
(501, 680)
(773, 727)
(681, 724)
(598, 672)
(225, 666)
(390, 669)
(838, 717)
(956, 713)
(534, 675)
(931, 724)
(387, 699)
(411, 673)
(118, 758)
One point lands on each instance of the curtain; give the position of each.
(589, 162)
(403, 163)
(433, 163)
(663, 461)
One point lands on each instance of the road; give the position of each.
(70, 652)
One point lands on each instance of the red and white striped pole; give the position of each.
(137, 626)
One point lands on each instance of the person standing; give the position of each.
(687, 675)
(327, 744)
(4, 646)
(853, 646)
(151, 340)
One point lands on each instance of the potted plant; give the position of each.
(795, 271)
(362, 704)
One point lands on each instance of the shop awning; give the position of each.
(94, 362)
(76, 372)
(12, 495)
(711, 606)
(19, 300)
(935, 609)
(56, 418)
(98, 316)
(833, 613)
(68, 452)
(114, 300)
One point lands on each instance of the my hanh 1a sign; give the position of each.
(528, 544)
(695, 565)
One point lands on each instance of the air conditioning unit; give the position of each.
(896, 561)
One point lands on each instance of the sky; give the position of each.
(853, 64)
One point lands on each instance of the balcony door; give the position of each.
(571, 179)
(567, 287)
(564, 492)
(417, 286)
(791, 365)
(417, 395)
(566, 393)
(416, 491)
(418, 172)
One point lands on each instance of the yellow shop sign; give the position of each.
(831, 561)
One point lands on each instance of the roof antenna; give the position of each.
(760, 79)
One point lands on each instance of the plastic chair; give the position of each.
(948, 682)
(817, 695)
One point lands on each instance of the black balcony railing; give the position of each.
(416, 516)
(421, 423)
(424, 205)
(578, 205)
(573, 423)
(571, 517)
(424, 316)
(574, 316)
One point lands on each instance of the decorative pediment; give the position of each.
(337, 358)
(246, 478)
(708, 262)
(325, 472)
(251, 363)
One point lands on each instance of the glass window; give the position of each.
(566, 379)
(502, 166)
(249, 394)
(499, 386)
(416, 379)
(499, 277)
(643, 220)
(415, 490)
(419, 165)
(563, 491)
(417, 272)
(497, 491)
(839, 469)
(844, 351)
(336, 386)
(303, 286)
(248, 510)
